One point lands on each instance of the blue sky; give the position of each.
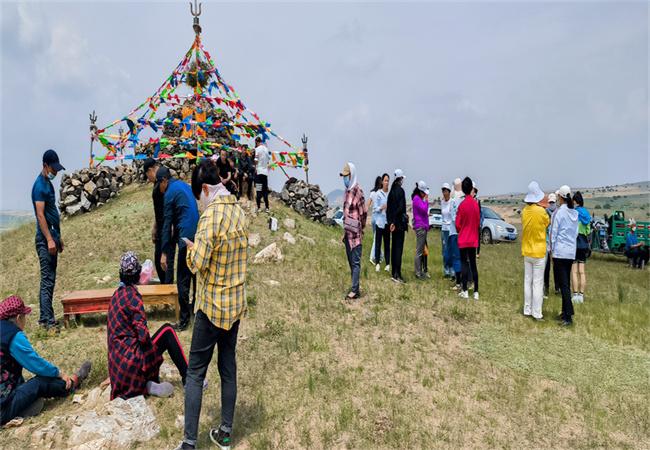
(504, 92)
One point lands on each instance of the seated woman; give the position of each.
(20, 398)
(134, 357)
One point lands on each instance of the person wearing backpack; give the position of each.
(578, 275)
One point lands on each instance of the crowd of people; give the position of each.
(203, 228)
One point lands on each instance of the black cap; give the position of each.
(163, 174)
(148, 164)
(52, 159)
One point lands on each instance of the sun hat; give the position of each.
(446, 186)
(564, 191)
(13, 306)
(129, 264)
(535, 194)
(552, 197)
(346, 170)
(422, 186)
(631, 223)
(399, 173)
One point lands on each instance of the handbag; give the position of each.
(351, 225)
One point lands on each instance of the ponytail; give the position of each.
(569, 201)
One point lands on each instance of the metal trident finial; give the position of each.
(195, 9)
(93, 118)
(304, 140)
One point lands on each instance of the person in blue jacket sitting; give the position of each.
(636, 251)
(20, 398)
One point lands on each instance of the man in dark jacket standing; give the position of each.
(150, 168)
(397, 220)
(182, 215)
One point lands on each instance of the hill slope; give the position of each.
(410, 366)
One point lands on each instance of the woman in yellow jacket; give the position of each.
(535, 220)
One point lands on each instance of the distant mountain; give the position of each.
(13, 219)
(335, 198)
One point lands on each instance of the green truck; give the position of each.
(608, 234)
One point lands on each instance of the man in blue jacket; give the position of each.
(181, 213)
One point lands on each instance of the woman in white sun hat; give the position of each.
(420, 199)
(535, 221)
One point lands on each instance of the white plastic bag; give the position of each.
(147, 272)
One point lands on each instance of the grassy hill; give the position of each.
(409, 367)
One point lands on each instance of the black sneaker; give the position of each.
(181, 326)
(221, 438)
(185, 446)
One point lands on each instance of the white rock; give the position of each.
(272, 282)
(180, 421)
(254, 240)
(289, 238)
(85, 203)
(120, 422)
(289, 224)
(307, 239)
(270, 253)
(78, 398)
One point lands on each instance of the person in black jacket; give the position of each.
(397, 220)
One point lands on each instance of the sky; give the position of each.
(504, 92)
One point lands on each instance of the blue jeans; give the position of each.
(204, 338)
(446, 263)
(354, 260)
(454, 253)
(48, 279)
(27, 393)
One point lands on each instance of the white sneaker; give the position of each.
(463, 294)
(377, 268)
(387, 268)
(475, 295)
(574, 297)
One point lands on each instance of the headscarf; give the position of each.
(129, 264)
(353, 176)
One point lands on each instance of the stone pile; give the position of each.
(306, 199)
(180, 168)
(89, 188)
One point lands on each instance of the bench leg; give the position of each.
(177, 307)
(66, 321)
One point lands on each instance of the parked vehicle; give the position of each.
(338, 217)
(495, 228)
(435, 218)
(609, 233)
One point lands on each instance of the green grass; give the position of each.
(410, 366)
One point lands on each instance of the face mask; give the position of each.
(346, 181)
(50, 176)
(552, 206)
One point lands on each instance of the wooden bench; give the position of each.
(97, 300)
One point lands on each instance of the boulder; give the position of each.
(90, 188)
(72, 210)
(307, 239)
(120, 422)
(254, 240)
(270, 253)
(289, 238)
(85, 203)
(75, 182)
(289, 224)
(69, 200)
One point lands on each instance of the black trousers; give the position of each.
(204, 338)
(382, 234)
(183, 283)
(637, 255)
(468, 264)
(563, 273)
(396, 253)
(166, 340)
(262, 189)
(547, 274)
(165, 277)
(27, 393)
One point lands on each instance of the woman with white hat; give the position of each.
(534, 220)
(563, 236)
(445, 209)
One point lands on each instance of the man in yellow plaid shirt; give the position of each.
(218, 258)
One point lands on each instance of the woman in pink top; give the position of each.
(420, 198)
(468, 220)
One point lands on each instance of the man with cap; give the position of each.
(180, 218)
(150, 168)
(17, 397)
(355, 214)
(445, 210)
(48, 234)
(398, 221)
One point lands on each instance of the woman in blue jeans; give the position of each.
(20, 398)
